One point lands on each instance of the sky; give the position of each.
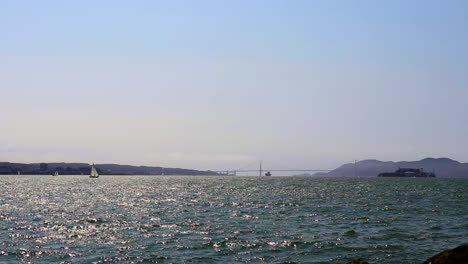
(224, 84)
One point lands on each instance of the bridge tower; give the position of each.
(260, 168)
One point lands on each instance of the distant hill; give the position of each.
(443, 167)
(7, 168)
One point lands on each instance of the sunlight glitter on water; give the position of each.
(174, 219)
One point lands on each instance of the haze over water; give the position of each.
(220, 84)
(177, 219)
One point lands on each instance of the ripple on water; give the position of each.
(218, 220)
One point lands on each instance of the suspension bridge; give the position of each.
(265, 172)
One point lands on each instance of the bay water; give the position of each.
(195, 219)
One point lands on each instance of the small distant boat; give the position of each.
(94, 173)
(55, 173)
(19, 173)
(268, 174)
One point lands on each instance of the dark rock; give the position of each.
(458, 255)
(358, 261)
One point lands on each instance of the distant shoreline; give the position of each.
(442, 167)
(8, 168)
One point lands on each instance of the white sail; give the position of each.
(56, 173)
(94, 173)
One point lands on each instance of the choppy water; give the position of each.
(146, 219)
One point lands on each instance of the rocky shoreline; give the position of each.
(458, 255)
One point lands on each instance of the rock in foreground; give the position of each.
(458, 255)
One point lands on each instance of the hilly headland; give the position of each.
(442, 167)
(7, 168)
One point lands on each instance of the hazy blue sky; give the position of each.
(222, 84)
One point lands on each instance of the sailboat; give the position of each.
(56, 173)
(94, 173)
